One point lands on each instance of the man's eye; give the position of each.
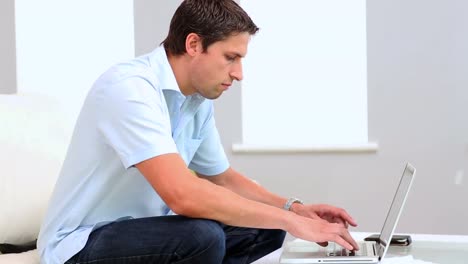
(230, 58)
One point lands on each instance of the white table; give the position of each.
(440, 249)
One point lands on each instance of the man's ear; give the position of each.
(193, 44)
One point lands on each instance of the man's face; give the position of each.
(214, 70)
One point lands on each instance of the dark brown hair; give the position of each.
(212, 20)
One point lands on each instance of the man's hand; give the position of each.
(321, 232)
(325, 212)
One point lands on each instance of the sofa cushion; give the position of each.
(33, 142)
(30, 257)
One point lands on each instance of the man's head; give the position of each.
(211, 20)
(207, 40)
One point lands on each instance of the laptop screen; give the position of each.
(396, 209)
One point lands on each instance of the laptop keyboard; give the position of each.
(338, 251)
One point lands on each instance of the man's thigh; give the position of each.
(177, 239)
(166, 239)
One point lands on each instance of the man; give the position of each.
(126, 193)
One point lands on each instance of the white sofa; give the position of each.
(33, 141)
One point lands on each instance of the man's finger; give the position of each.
(341, 241)
(340, 221)
(347, 236)
(338, 213)
(340, 235)
(323, 244)
(347, 218)
(345, 244)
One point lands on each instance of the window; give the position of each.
(305, 77)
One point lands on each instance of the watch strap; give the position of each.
(290, 202)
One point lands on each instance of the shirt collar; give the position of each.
(163, 70)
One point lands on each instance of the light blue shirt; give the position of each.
(134, 111)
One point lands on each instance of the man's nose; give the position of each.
(236, 73)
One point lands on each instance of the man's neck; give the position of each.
(180, 67)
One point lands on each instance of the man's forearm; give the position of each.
(247, 188)
(226, 206)
(191, 196)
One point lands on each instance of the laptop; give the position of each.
(370, 252)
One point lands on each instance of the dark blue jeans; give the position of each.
(177, 239)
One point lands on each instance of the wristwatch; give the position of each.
(287, 205)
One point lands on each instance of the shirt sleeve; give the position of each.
(134, 120)
(210, 158)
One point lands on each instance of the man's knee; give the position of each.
(210, 238)
(277, 236)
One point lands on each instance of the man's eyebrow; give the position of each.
(235, 54)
